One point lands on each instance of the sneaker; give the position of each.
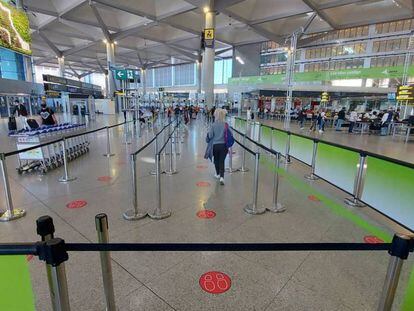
(221, 181)
(320, 131)
(217, 176)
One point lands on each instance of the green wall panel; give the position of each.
(336, 165)
(301, 148)
(389, 188)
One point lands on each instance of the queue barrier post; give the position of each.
(11, 213)
(126, 133)
(101, 222)
(66, 177)
(154, 171)
(400, 249)
(312, 175)
(287, 149)
(158, 213)
(230, 169)
(46, 229)
(134, 213)
(358, 183)
(253, 208)
(54, 254)
(171, 171)
(243, 168)
(271, 138)
(108, 153)
(276, 206)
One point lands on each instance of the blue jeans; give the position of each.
(339, 123)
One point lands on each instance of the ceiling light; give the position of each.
(115, 42)
(104, 41)
(240, 60)
(206, 9)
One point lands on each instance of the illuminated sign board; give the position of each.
(405, 93)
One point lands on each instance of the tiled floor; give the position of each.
(170, 281)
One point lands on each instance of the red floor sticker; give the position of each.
(121, 162)
(29, 257)
(313, 198)
(206, 214)
(215, 282)
(104, 178)
(76, 204)
(203, 184)
(202, 167)
(370, 239)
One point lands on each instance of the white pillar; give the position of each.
(198, 68)
(106, 85)
(110, 57)
(61, 62)
(144, 81)
(208, 59)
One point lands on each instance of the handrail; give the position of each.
(255, 142)
(360, 151)
(244, 147)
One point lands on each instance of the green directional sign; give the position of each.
(121, 74)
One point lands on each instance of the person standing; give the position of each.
(341, 119)
(216, 138)
(47, 115)
(301, 118)
(321, 121)
(353, 118)
(21, 114)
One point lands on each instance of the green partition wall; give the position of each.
(15, 285)
(266, 136)
(337, 165)
(301, 148)
(279, 141)
(389, 188)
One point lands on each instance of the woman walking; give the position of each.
(217, 145)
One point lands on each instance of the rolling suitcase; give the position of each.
(12, 124)
(32, 123)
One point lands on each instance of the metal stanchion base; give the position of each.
(16, 214)
(276, 208)
(243, 169)
(131, 215)
(170, 173)
(64, 179)
(353, 202)
(159, 215)
(251, 209)
(108, 155)
(231, 171)
(311, 177)
(154, 173)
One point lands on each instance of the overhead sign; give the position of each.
(209, 37)
(161, 89)
(121, 74)
(325, 97)
(405, 93)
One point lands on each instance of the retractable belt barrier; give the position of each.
(135, 213)
(358, 181)
(54, 252)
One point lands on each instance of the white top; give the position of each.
(353, 117)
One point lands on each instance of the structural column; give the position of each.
(199, 65)
(61, 62)
(209, 55)
(110, 57)
(144, 81)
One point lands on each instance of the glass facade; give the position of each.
(12, 65)
(186, 74)
(378, 45)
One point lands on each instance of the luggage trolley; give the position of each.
(46, 158)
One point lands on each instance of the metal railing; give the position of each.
(12, 213)
(358, 185)
(54, 252)
(135, 213)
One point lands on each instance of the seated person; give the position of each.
(47, 115)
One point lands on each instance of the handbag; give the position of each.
(228, 137)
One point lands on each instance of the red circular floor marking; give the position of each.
(76, 204)
(370, 239)
(120, 162)
(313, 198)
(202, 167)
(104, 178)
(29, 257)
(203, 184)
(206, 214)
(215, 282)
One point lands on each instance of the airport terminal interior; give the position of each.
(206, 155)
